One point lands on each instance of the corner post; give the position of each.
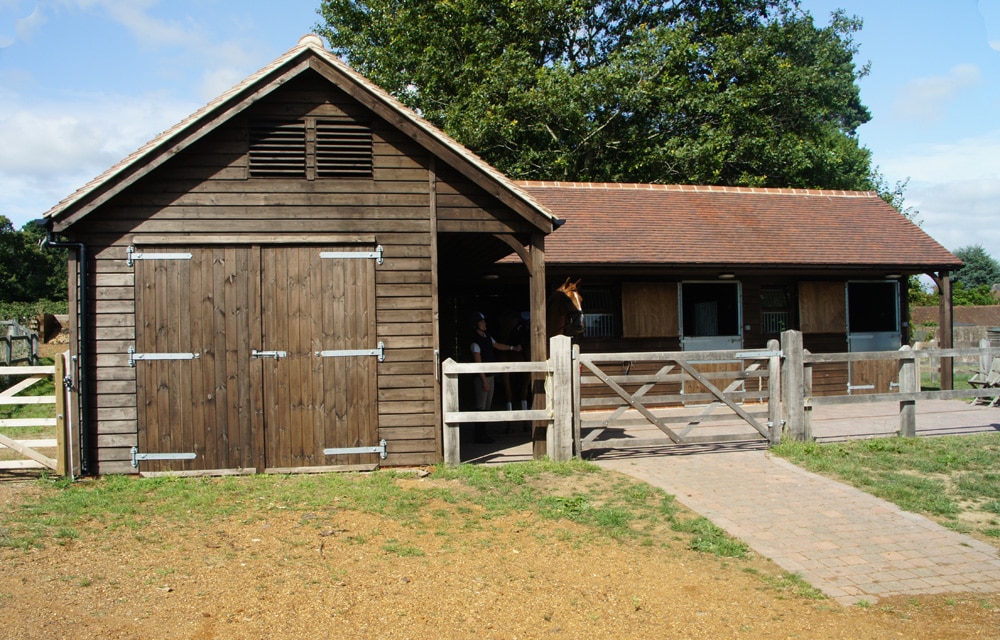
(792, 392)
(909, 382)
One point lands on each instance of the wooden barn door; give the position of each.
(319, 362)
(197, 315)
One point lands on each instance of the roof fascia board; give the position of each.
(392, 115)
(167, 149)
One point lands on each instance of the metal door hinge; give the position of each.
(134, 357)
(376, 254)
(380, 449)
(131, 255)
(138, 457)
(378, 351)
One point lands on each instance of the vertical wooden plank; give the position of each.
(577, 415)
(909, 382)
(354, 313)
(539, 343)
(435, 300)
(560, 441)
(196, 320)
(449, 403)
(60, 395)
(774, 392)
(238, 429)
(341, 332)
(252, 450)
(182, 432)
(946, 330)
(317, 383)
(219, 314)
(208, 365)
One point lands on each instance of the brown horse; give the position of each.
(564, 314)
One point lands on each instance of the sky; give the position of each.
(83, 83)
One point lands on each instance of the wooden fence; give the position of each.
(798, 399)
(558, 411)
(17, 345)
(31, 457)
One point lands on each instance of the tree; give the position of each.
(28, 272)
(734, 92)
(980, 268)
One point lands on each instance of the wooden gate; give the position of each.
(652, 399)
(234, 372)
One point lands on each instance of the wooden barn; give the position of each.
(270, 285)
(691, 268)
(257, 287)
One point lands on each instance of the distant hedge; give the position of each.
(24, 312)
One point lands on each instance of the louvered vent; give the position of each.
(277, 149)
(343, 149)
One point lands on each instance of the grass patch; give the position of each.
(606, 506)
(951, 479)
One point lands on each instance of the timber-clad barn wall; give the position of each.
(205, 201)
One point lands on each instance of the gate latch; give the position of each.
(277, 355)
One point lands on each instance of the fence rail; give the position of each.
(558, 409)
(799, 400)
(28, 449)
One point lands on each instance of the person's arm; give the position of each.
(477, 357)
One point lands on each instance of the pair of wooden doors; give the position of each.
(254, 358)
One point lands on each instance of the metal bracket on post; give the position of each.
(134, 357)
(138, 457)
(380, 449)
(378, 352)
(376, 254)
(131, 255)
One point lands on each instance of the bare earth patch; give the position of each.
(284, 573)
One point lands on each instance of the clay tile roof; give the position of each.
(671, 224)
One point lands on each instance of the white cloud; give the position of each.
(956, 189)
(50, 150)
(223, 61)
(990, 11)
(24, 28)
(927, 99)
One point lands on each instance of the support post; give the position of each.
(774, 392)
(792, 396)
(539, 345)
(449, 403)
(577, 417)
(559, 441)
(58, 379)
(945, 328)
(807, 392)
(909, 382)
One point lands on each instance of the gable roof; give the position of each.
(642, 224)
(308, 54)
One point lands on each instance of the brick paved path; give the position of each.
(847, 543)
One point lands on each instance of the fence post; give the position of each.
(909, 382)
(58, 379)
(559, 440)
(774, 392)
(577, 417)
(792, 396)
(449, 403)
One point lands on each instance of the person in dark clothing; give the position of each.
(484, 349)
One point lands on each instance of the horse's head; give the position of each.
(571, 309)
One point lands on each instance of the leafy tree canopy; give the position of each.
(980, 267)
(27, 271)
(730, 92)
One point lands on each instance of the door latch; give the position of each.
(277, 355)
